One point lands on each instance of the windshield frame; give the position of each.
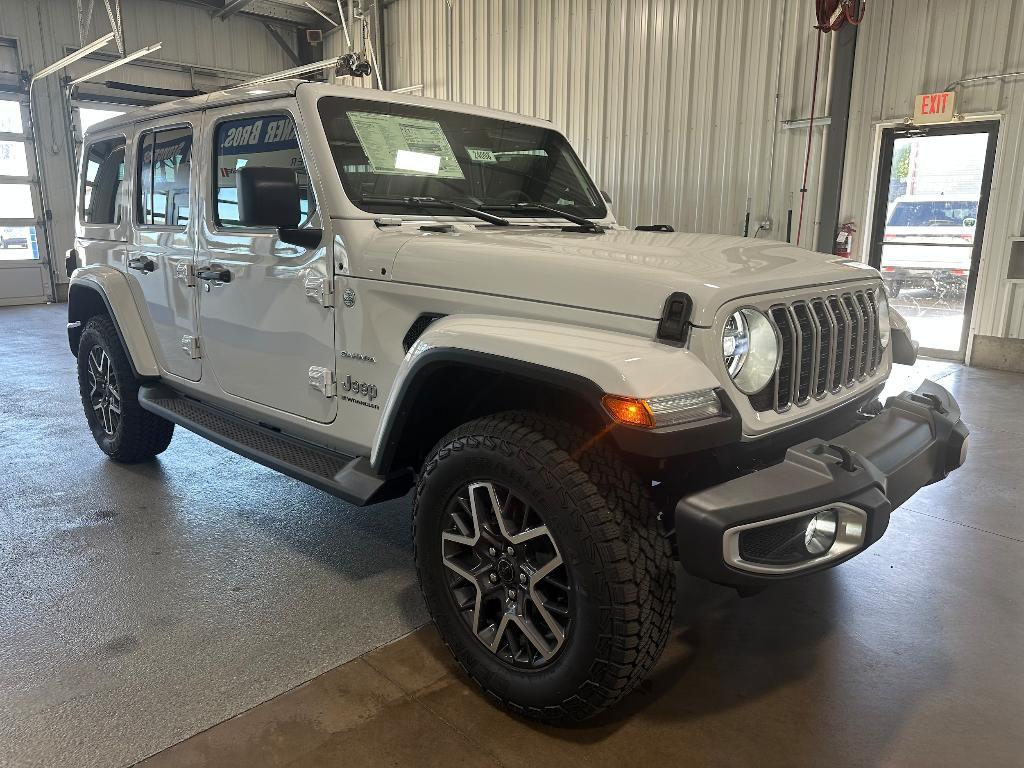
(400, 208)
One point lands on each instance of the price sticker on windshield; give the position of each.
(481, 155)
(405, 146)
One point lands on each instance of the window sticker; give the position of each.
(405, 146)
(481, 155)
(521, 152)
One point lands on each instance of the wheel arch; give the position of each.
(465, 366)
(100, 290)
(450, 386)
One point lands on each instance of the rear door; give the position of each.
(160, 259)
(268, 330)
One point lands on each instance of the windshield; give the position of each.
(386, 153)
(934, 213)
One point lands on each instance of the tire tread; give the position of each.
(144, 434)
(616, 514)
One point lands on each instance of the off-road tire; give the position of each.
(140, 435)
(607, 529)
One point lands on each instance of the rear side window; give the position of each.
(261, 141)
(165, 161)
(101, 182)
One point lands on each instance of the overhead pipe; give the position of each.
(766, 223)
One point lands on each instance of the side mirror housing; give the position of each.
(267, 197)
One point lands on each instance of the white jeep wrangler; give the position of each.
(375, 293)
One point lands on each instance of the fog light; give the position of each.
(820, 534)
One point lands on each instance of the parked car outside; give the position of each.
(928, 244)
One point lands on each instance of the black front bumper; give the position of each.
(916, 439)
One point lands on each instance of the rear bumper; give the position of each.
(747, 532)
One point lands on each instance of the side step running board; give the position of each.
(347, 477)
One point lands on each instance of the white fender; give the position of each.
(113, 287)
(618, 363)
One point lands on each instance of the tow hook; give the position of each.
(846, 456)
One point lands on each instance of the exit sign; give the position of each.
(934, 107)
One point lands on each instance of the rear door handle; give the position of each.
(215, 274)
(142, 264)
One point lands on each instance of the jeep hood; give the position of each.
(620, 271)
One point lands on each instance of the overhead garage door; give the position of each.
(23, 273)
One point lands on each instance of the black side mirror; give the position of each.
(269, 197)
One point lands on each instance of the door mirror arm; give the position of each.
(306, 237)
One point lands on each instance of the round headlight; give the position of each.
(884, 322)
(750, 350)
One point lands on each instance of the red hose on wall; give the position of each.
(831, 15)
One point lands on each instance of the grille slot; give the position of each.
(826, 343)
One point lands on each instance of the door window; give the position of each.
(259, 141)
(165, 162)
(101, 182)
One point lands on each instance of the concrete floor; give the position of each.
(141, 605)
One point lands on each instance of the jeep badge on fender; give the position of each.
(369, 391)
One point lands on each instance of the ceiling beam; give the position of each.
(231, 8)
(294, 57)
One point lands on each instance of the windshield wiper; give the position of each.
(585, 225)
(433, 202)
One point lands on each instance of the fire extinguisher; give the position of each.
(844, 240)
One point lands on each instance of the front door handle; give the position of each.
(215, 274)
(142, 263)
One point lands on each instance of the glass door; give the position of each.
(930, 206)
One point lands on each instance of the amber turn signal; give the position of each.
(629, 410)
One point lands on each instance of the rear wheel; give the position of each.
(109, 389)
(542, 562)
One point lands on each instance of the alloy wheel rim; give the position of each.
(104, 392)
(506, 575)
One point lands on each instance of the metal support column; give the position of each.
(840, 86)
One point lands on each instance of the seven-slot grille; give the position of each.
(826, 343)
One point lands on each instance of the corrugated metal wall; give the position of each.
(670, 102)
(190, 36)
(919, 46)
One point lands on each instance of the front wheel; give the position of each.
(543, 565)
(109, 389)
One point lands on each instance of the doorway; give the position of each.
(931, 201)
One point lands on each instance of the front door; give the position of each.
(931, 202)
(160, 259)
(267, 327)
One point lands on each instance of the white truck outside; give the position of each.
(377, 293)
(928, 242)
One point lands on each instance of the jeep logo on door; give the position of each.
(369, 391)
